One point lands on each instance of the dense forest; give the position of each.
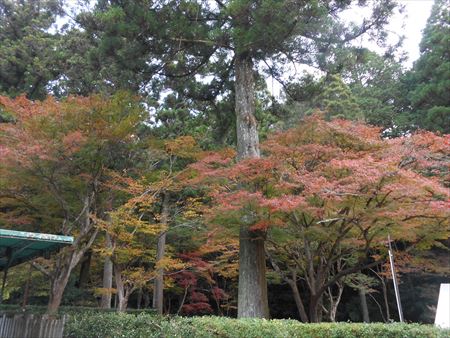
(150, 132)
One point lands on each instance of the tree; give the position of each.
(133, 236)
(337, 101)
(429, 97)
(29, 57)
(375, 82)
(327, 194)
(55, 157)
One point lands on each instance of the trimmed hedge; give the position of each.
(65, 310)
(144, 325)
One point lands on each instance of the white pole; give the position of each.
(394, 279)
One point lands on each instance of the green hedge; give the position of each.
(144, 325)
(69, 310)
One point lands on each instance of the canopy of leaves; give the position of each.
(29, 54)
(431, 73)
(55, 152)
(336, 175)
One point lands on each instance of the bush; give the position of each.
(144, 325)
(10, 309)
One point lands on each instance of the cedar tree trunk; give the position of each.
(252, 294)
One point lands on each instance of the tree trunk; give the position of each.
(386, 302)
(298, 302)
(246, 127)
(26, 291)
(107, 277)
(60, 276)
(158, 289)
(57, 288)
(69, 258)
(252, 293)
(364, 308)
(146, 299)
(121, 290)
(335, 300)
(139, 299)
(314, 309)
(85, 269)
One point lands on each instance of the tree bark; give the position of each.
(56, 292)
(298, 301)
(122, 292)
(335, 300)
(364, 308)
(85, 269)
(246, 126)
(252, 293)
(26, 291)
(69, 258)
(105, 302)
(158, 289)
(386, 302)
(314, 305)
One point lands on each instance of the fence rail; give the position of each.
(31, 326)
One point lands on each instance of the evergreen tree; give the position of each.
(430, 77)
(337, 101)
(375, 83)
(29, 53)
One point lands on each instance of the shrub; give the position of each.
(143, 325)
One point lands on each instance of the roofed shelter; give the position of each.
(17, 247)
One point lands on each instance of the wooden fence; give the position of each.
(31, 326)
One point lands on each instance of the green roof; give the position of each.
(19, 246)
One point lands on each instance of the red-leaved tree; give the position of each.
(56, 157)
(325, 196)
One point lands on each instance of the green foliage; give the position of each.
(29, 54)
(375, 82)
(67, 310)
(125, 325)
(337, 101)
(430, 76)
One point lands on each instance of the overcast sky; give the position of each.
(413, 21)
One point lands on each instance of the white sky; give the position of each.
(411, 23)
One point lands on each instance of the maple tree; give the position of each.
(55, 156)
(326, 194)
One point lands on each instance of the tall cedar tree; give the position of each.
(430, 75)
(176, 39)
